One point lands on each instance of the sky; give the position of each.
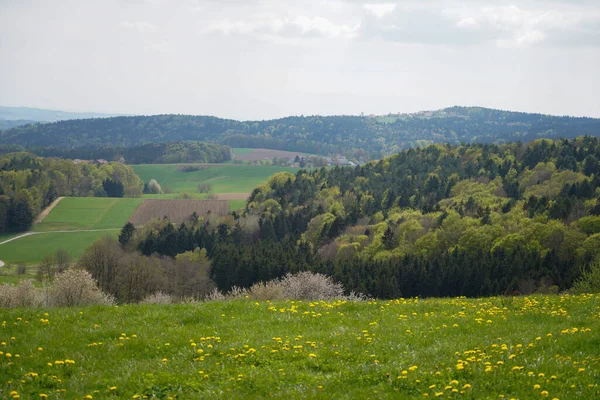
(253, 59)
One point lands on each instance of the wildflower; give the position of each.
(536, 387)
(467, 386)
(312, 355)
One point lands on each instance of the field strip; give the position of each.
(40, 233)
(112, 204)
(47, 210)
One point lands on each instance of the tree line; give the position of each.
(360, 137)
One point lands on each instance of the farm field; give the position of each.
(33, 248)
(496, 348)
(224, 178)
(177, 211)
(246, 154)
(104, 216)
(74, 213)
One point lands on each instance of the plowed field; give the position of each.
(177, 210)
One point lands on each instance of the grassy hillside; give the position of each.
(33, 248)
(494, 348)
(74, 213)
(71, 214)
(222, 178)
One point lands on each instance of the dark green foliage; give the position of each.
(126, 233)
(151, 153)
(361, 137)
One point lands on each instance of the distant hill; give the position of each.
(359, 136)
(15, 116)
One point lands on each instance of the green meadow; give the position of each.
(33, 248)
(538, 347)
(99, 215)
(224, 178)
(73, 213)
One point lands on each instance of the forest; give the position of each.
(151, 153)
(29, 183)
(360, 137)
(443, 220)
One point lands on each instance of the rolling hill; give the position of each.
(364, 137)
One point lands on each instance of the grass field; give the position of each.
(33, 248)
(498, 348)
(223, 178)
(73, 213)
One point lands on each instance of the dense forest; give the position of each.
(151, 153)
(443, 220)
(356, 136)
(28, 184)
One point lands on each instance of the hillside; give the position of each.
(472, 220)
(29, 114)
(361, 137)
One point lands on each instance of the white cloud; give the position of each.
(140, 26)
(380, 10)
(299, 26)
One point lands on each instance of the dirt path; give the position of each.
(47, 210)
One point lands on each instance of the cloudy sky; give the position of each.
(253, 59)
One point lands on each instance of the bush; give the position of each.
(25, 294)
(271, 290)
(77, 288)
(589, 282)
(21, 269)
(310, 286)
(157, 298)
(153, 187)
(204, 187)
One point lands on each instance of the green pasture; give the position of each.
(75, 213)
(224, 178)
(33, 248)
(539, 347)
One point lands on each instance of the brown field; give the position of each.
(177, 211)
(261, 154)
(231, 196)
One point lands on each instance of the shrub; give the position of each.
(157, 298)
(77, 288)
(25, 294)
(153, 187)
(21, 269)
(589, 282)
(215, 295)
(204, 187)
(310, 286)
(271, 290)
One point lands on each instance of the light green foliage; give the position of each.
(589, 282)
(590, 224)
(316, 226)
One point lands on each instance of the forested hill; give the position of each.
(364, 137)
(443, 220)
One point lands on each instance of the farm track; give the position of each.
(47, 210)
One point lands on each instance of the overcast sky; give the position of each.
(252, 59)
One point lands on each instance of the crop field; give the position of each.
(246, 154)
(177, 211)
(224, 178)
(495, 348)
(74, 213)
(73, 225)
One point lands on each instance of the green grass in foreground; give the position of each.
(73, 213)
(32, 249)
(228, 178)
(497, 348)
